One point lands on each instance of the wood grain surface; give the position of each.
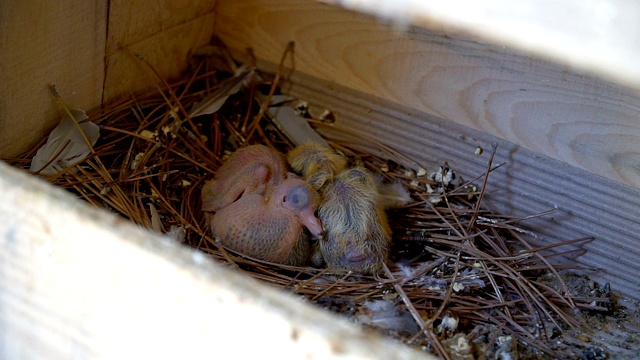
(585, 205)
(134, 21)
(86, 49)
(47, 42)
(162, 32)
(551, 109)
(595, 35)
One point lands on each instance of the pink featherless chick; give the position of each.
(257, 208)
(248, 170)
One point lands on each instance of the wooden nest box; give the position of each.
(556, 87)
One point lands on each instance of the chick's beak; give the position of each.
(311, 222)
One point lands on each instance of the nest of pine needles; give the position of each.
(459, 272)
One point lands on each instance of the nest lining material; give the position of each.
(458, 273)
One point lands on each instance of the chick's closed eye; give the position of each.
(297, 198)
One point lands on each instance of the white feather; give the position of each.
(385, 314)
(393, 195)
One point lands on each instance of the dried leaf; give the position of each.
(65, 145)
(295, 127)
(216, 99)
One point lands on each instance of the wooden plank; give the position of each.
(64, 43)
(134, 21)
(528, 184)
(167, 51)
(163, 32)
(47, 42)
(594, 35)
(77, 282)
(548, 108)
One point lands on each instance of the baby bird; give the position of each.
(357, 233)
(270, 226)
(258, 209)
(248, 170)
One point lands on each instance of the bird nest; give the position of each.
(462, 281)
